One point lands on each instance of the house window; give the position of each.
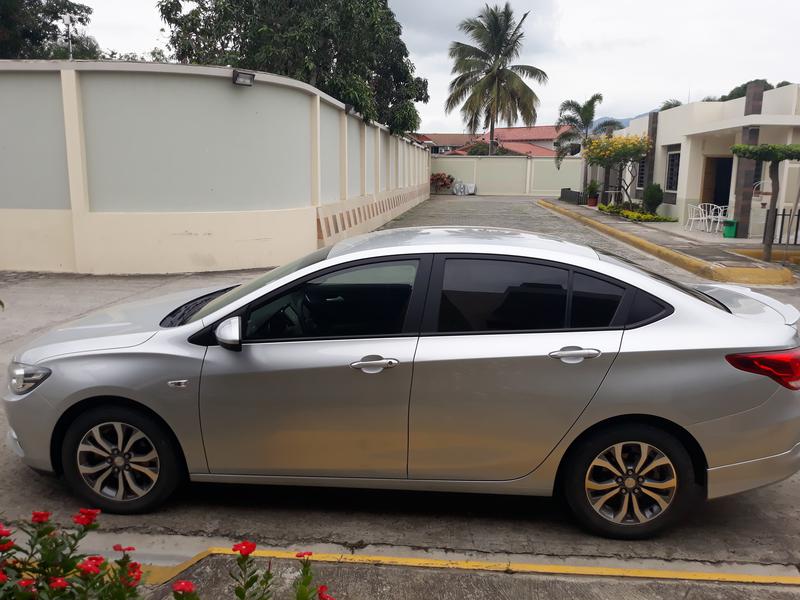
(673, 165)
(640, 175)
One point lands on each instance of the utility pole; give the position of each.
(68, 21)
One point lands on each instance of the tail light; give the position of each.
(783, 366)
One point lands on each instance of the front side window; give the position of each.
(673, 166)
(360, 301)
(498, 295)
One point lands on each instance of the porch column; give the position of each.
(745, 167)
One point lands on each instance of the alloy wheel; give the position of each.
(118, 461)
(631, 483)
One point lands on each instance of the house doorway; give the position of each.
(717, 180)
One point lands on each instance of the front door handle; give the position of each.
(573, 355)
(374, 364)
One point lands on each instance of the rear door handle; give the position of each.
(573, 355)
(374, 364)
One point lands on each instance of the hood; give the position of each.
(120, 326)
(744, 302)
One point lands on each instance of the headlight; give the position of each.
(23, 378)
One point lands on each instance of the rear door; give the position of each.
(512, 351)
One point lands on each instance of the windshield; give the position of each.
(681, 287)
(242, 290)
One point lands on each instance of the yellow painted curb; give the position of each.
(159, 575)
(755, 275)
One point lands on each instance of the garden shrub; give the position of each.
(652, 198)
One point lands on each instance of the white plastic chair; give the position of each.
(696, 216)
(715, 218)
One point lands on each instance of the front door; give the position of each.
(321, 386)
(512, 351)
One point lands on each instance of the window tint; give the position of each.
(242, 290)
(497, 295)
(643, 308)
(594, 301)
(358, 301)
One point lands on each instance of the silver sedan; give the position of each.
(453, 359)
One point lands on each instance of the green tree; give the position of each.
(774, 154)
(671, 103)
(350, 49)
(35, 29)
(490, 87)
(576, 124)
(621, 151)
(740, 91)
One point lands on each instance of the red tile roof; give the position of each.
(527, 149)
(447, 139)
(538, 133)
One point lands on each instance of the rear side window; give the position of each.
(594, 301)
(498, 295)
(644, 309)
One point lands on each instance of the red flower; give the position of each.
(244, 548)
(40, 516)
(121, 548)
(86, 516)
(134, 574)
(26, 583)
(58, 583)
(3, 531)
(3, 578)
(6, 545)
(183, 587)
(322, 593)
(90, 565)
(303, 554)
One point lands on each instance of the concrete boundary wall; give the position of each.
(158, 168)
(511, 175)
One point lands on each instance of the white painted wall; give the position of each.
(143, 168)
(329, 153)
(33, 160)
(511, 175)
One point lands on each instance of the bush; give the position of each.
(441, 181)
(47, 565)
(634, 215)
(653, 197)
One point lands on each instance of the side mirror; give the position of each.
(229, 334)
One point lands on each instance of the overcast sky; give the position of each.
(637, 53)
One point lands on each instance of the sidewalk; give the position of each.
(712, 258)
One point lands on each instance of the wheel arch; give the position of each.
(69, 415)
(699, 460)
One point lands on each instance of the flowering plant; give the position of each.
(48, 566)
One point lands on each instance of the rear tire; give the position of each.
(630, 481)
(120, 460)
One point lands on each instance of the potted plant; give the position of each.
(592, 192)
(441, 181)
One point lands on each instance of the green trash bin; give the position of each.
(729, 227)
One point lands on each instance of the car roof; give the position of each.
(457, 238)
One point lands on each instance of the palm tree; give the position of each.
(671, 103)
(576, 124)
(489, 86)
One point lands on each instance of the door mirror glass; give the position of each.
(229, 334)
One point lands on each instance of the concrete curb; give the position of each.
(158, 575)
(766, 275)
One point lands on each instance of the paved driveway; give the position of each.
(761, 526)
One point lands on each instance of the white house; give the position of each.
(692, 161)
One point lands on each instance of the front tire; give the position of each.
(120, 460)
(630, 481)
